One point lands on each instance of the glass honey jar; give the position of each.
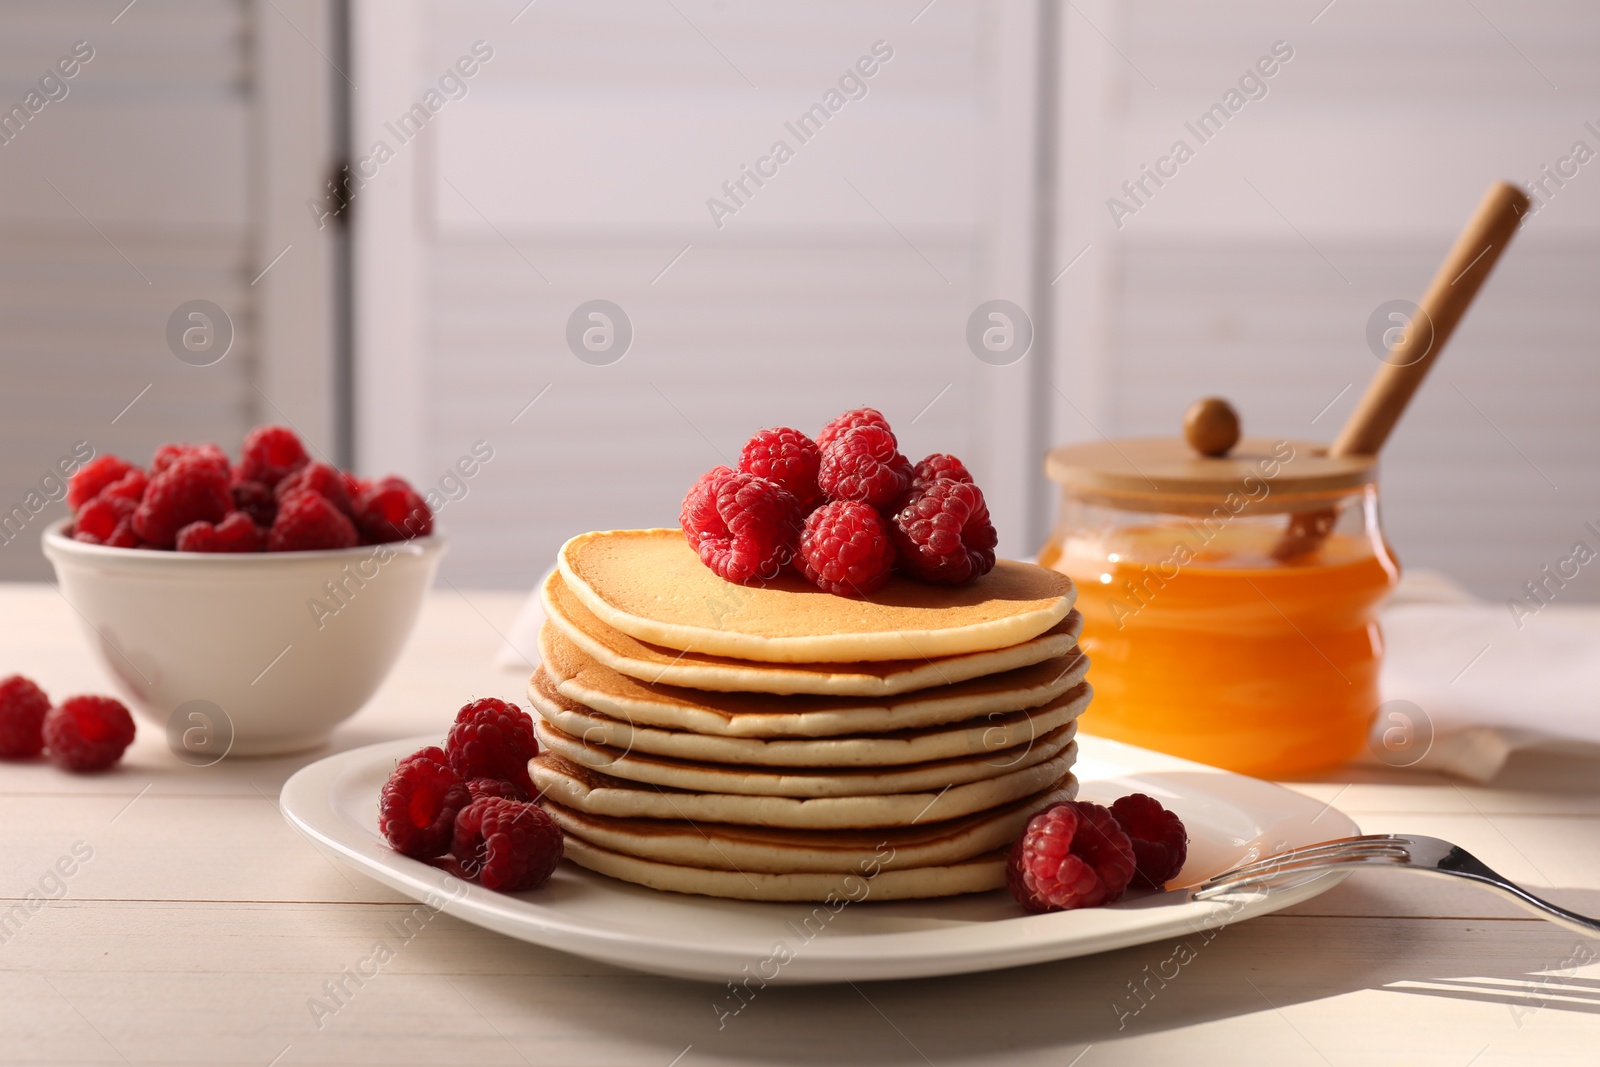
(1229, 601)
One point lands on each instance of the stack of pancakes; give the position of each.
(782, 743)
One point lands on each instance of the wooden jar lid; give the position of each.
(1165, 474)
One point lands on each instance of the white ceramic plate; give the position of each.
(1231, 819)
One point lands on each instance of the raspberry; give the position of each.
(236, 533)
(1071, 855)
(87, 733)
(23, 706)
(509, 846)
(256, 500)
(308, 522)
(943, 533)
(191, 489)
(167, 455)
(788, 459)
(864, 464)
(319, 478)
(92, 477)
(130, 486)
(495, 787)
(433, 752)
(1160, 843)
(418, 806)
(271, 453)
(849, 421)
(938, 466)
(100, 516)
(845, 549)
(492, 739)
(745, 528)
(124, 536)
(390, 510)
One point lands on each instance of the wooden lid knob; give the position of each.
(1211, 426)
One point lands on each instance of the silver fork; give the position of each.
(1410, 851)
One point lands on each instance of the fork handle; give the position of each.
(1460, 863)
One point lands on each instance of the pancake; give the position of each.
(651, 585)
(585, 681)
(596, 793)
(986, 734)
(721, 846)
(696, 670)
(801, 782)
(910, 883)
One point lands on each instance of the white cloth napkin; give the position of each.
(1479, 685)
(1463, 686)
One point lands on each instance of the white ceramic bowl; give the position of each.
(245, 654)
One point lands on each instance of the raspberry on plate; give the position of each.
(191, 489)
(1160, 842)
(87, 733)
(508, 846)
(418, 806)
(256, 500)
(92, 477)
(1071, 855)
(237, 533)
(167, 455)
(100, 516)
(319, 478)
(940, 465)
(309, 522)
(496, 787)
(23, 707)
(788, 459)
(745, 528)
(271, 453)
(492, 739)
(433, 752)
(943, 533)
(845, 549)
(849, 421)
(864, 464)
(389, 510)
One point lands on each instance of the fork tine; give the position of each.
(1234, 880)
(1369, 844)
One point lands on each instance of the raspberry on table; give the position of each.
(940, 465)
(507, 845)
(864, 463)
(492, 738)
(309, 522)
(99, 517)
(845, 548)
(237, 533)
(788, 459)
(1071, 855)
(87, 733)
(23, 707)
(418, 806)
(389, 510)
(943, 533)
(92, 477)
(743, 527)
(496, 787)
(257, 500)
(320, 478)
(191, 489)
(270, 454)
(849, 421)
(167, 455)
(1160, 842)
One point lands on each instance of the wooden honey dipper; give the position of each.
(1454, 286)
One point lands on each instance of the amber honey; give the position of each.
(1204, 645)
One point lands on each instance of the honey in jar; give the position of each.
(1229, 602)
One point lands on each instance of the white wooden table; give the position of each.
(202, 926)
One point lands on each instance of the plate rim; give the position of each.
(307, 803)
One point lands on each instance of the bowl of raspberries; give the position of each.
(276, 590)
(846, 510)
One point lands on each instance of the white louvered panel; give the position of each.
(150, 144)
(591, 141)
